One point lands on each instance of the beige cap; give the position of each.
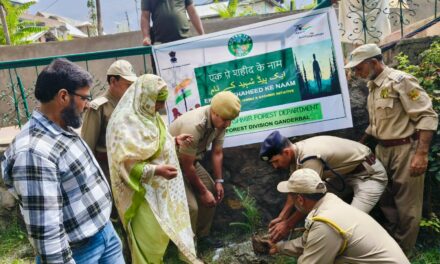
(226, 104)
(303, 181)
(362, 53)
(122, 68)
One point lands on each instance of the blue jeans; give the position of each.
(104, 248)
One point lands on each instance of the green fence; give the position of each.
(16, 96)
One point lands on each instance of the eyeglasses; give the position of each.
(83, 97)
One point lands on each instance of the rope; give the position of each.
(337, 228)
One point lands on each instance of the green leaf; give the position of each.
(245, 226)
(18, 29)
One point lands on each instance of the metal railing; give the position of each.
(365, 13)
(16, 97)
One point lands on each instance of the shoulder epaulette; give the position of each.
(202, 123)
(397, 76)
(96, 103)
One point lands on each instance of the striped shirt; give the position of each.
(62, 192)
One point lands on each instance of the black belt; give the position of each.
(79, 243)
(83, 242)
(397, 142)
(370, 160)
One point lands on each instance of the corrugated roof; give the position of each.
(36, 36)
(75, 32)
(23, 1)
(48, 22)
(52, 23)
(73, 22)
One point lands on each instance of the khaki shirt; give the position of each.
(342, 155)
(198, 123)
(367, 241)
(398, 106)
(95, 122)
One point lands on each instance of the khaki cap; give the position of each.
(303, 181)
(362, 53)
(122, 68)
(226, 104)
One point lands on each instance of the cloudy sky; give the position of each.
(113, 11)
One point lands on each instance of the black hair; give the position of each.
(60, 74)
(313, 196)
(377, 57)
(117, 77)
(286, 143)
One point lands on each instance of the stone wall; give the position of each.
(410, 47)
(7, 202)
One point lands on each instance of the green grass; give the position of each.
(427, 256)
(280, 259)
(15, 247)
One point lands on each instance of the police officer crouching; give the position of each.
(335, 231)
(341, 162)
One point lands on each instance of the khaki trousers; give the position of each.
(201, 216)
(402, 200)
(368, 186)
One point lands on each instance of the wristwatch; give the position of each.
(219, 181)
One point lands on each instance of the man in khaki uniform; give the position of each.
(402, 121)
(120, 76)
(335, 231)
(341, 161)
(207, 125)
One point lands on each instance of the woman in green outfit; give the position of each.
(146, 179)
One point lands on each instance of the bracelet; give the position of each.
(219, 180)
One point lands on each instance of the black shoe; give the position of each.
(205, 243)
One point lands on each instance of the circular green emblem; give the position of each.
(240, 45)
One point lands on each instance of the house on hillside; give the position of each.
(57, 27)
(57, 30)
(84, 26)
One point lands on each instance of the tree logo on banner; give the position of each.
(300, 28)
(240, 45)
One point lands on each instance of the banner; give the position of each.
(288, 73)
